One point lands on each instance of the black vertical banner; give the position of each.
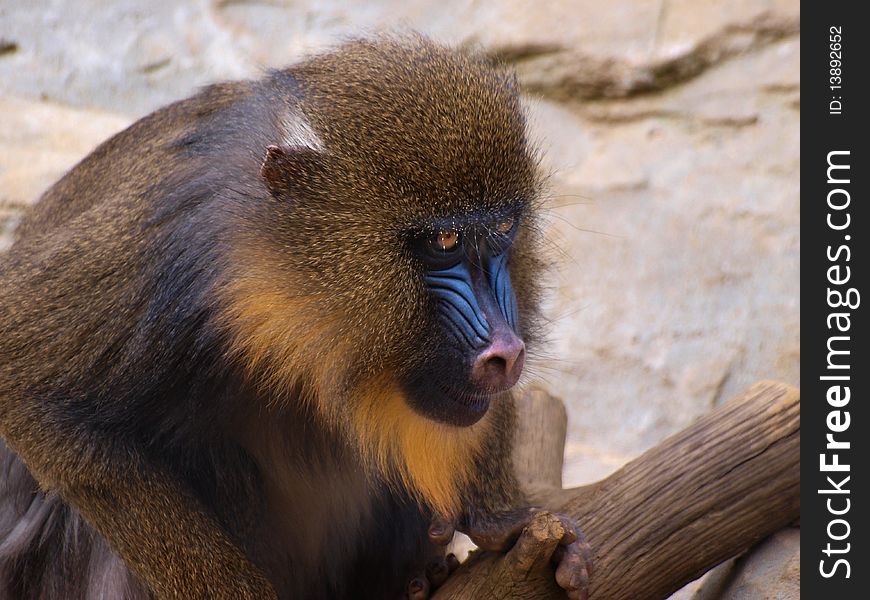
(835, 364)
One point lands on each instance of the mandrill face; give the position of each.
(466, 263)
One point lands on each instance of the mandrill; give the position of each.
(259, 344)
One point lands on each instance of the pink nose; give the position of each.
(499, 366)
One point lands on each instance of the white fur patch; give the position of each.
(298, 132)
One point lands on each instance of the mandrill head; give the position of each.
(402, 215)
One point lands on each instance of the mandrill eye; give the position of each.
(441, 249)
(501, 235)
(445, 241)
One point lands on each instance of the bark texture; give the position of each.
(698, 498)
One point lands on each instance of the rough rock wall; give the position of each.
(671, 128)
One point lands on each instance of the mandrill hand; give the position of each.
(531, 539)
(438, 567)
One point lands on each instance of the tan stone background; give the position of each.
(671, 128)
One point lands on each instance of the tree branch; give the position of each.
(698, 498)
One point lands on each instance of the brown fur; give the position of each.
(434, 461)
(201, 349)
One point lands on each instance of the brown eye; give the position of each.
(445, 241)
(442, 249)
(504, 227)
(501, 235)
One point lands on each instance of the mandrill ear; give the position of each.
(287, 169)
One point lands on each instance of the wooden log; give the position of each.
(698, 498)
